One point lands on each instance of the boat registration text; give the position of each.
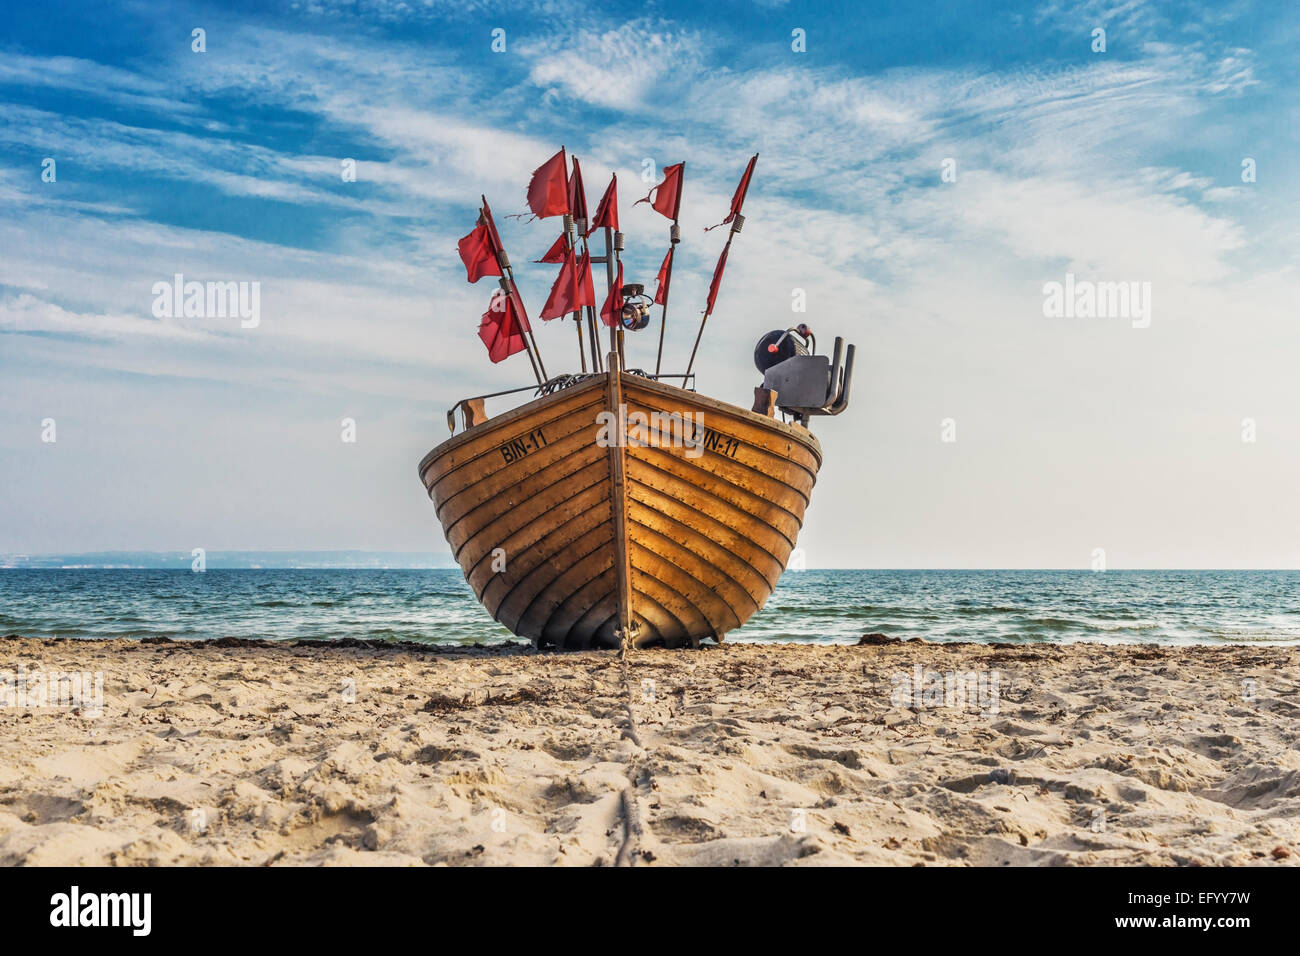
(517, 448)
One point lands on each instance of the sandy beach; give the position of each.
(255, 754)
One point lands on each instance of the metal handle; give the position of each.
(842, 399)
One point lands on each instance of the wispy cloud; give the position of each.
(619, 68)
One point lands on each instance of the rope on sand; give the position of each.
(633, 827)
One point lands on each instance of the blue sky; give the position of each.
(1072, 434)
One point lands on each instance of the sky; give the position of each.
(927, 171)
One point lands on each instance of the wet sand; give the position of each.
(248, 754)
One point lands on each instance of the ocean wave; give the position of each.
(812, 607)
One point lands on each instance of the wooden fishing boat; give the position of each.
(674, 538)
(616, 509)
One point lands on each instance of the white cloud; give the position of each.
(617, 68)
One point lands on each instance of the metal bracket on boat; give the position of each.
(472, 413)
(685, 379)
(807, 385)
(472, 408)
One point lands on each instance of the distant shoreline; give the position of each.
(233, 560)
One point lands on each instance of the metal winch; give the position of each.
(805, 383)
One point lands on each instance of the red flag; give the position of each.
(607, 210)
(668, 194)
(572, 289)
(560, 302)
(477, 253)
(611, 311)
(738, 199)
(577, 194)
(548, 190)
(717, 279)
(501, 330)
(557, 251)
(665, 273)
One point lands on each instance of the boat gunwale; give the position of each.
(795, 432)
(505, 418)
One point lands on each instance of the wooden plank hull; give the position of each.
(623, 506)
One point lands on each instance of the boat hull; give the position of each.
(623, 506)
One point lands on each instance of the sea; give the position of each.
(807, 607)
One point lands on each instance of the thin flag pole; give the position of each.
(571, 221)
(595, 338)
(674, 237)
(577, 313)
(737, 221)
(540, 376)
(608, 259)
(735, 228)
(508, 285)
(505, 288)
(506, 292)
(591, 320)
(610, 256)
(533, 352)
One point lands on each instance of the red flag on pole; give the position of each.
(559, 248)
(548, 190)
(572, 289)
(493, 235)
(501, 330)
(607, 209)
(717, 279)
(477, 253)
(577, 194)
(611, 311)
(738, 199)
(668, 194)
(521, 316)
(665, 273)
